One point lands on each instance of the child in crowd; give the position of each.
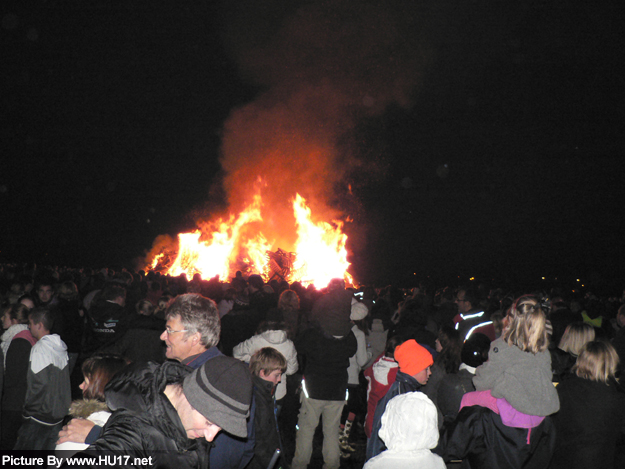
(267, 366)
(414, 371)
(506, 423)
(409, 430)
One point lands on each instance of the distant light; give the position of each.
(543, 278)
(583, 285)
(578, 280)
(472, 278)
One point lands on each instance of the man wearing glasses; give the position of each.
(191, 336)
(192, 330)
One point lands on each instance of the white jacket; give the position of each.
(276, 339)
(360, 358)
(409, 430)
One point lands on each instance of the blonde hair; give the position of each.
(525, 325)
(597, 361)
(575, 336)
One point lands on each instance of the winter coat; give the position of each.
(142, 341)
(409, 430)
(450, 391)
(277, 340)
(381, 375)
(48, 392)
(325, 360)
(590, 420)
(107, 322)
(331, 312)
(90, 409)
(265, 423)
(9, 335)
(522, 378)
(144, 423)
(479, 437)
(403, 384)
(17, 358)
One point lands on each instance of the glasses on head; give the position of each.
(171, 331)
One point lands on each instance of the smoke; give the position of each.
(323, 68)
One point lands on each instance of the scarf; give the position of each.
(7, 337)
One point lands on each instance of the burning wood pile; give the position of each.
(319, 253)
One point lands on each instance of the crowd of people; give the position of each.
(239, 374)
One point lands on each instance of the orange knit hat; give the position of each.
(412, 357)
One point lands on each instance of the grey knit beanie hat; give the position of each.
(221, 390)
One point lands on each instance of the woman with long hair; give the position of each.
(592, 411)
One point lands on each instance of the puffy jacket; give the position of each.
(279, 341)
(144, 423)
(479, 436)
(410, 430)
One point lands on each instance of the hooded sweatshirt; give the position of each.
(276, 339)
(409, 430)
(48, 393)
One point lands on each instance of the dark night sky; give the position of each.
(506, 162)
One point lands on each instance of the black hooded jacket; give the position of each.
(144, 423)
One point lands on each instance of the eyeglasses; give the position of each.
(458, 300)
(170, 331)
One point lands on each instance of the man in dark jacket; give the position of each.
(107, 318)
(160, 410)
(325, 357)
(414, 371)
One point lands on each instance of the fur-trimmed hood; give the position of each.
(83, 408)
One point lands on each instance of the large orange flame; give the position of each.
(223, 247)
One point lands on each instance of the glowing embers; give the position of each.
(223, 247)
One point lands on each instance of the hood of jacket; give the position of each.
(83, 408)
(274, 337)
(49, 350)
(381, 368)
(139, 390)
(399, 431)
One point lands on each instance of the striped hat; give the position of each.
(221, 390)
